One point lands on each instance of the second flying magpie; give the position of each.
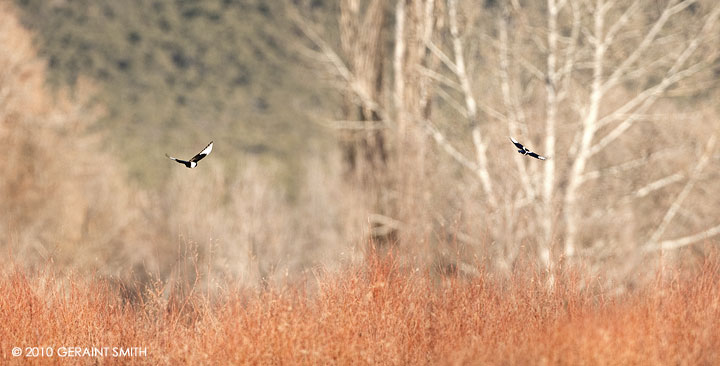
(524, 150)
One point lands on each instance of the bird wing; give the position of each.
(206, 151)
(176, 159)
(536, 156)
(517, 144)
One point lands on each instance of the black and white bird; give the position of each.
(524, 150)
(193, 161)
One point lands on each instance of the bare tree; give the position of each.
(361, 33)
(585, 77)
(618, 119)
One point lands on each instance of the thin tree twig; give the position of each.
(470, 104)
(673, 209)
(623, 167)
(341, 68)
(686, 240)
(658, 184)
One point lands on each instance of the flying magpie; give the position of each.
(193, 161)
(524, 150)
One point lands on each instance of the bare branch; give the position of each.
(645, 190)
(586, 135)
(492, 112)
(532, 69)
(457, 156)
(470, 104)
(623, 167)
(672, 76)
(516, 113)
(664, 59)
(340, 67)
(571, 53)
(612, 32)
(648, 97)
(326, 50)
(550, 122)
(671, 8)
(429, 21)
(439, 77)
(509, 105)
(452, 102)
(482, 171)
(658, 184)
(399, 55)
(670, 214)
(686, 240)
(354, 125)
(448, 147)
(442, 56)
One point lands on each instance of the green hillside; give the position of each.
(174, 74)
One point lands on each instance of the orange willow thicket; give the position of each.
(378, 313)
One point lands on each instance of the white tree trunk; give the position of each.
(572, 209)
(550, 121)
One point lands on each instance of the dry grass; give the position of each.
(379, 312)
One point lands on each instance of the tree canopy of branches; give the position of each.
(618, 94)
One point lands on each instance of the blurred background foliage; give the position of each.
(175, 74)
(339, 125)
(93, 93)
